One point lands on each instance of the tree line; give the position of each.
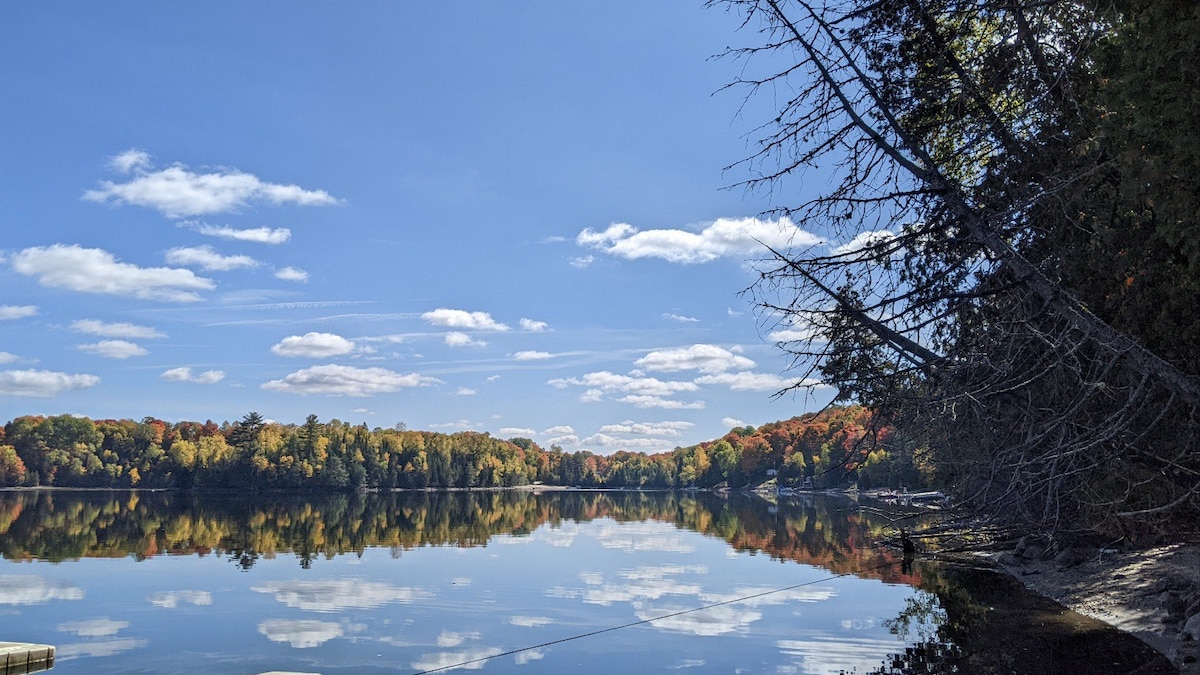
(835, 447)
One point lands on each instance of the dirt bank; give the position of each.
(1152, 594)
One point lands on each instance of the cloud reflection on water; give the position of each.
(24, 589)
(300, 633)
(171, 599)
(336, 595)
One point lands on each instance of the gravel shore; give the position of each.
(1153, 594)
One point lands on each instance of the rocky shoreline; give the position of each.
(1152, 594)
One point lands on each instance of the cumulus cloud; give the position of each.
(646, 428)
(732, 422)
(582, 261)
(116, 330)
(93, 270)
(184, 374)
(130, 160)
(465, 391)
(7, 357)
(725, 237)
(313, 345)
(207, 259)
(176, 191)
(534, 326)
(257, 235)
(532, 356)
(335, 380)
(702, 357)
(42, 383)
(605, 382)
(748, 381)
(508, 432)
(292, 274)
(457, 318)
(114, 349)
(565, 439)
(10, 312)
(864, 240)
(457, 339)
(560, 429)
(643, 401)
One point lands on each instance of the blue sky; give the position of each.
(500, 217)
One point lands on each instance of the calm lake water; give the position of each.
(498, 581)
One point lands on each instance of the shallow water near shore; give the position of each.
(584, 581)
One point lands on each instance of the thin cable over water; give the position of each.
(645, 621)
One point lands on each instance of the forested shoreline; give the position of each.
(834, 447)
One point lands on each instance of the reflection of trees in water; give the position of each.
(58, 525)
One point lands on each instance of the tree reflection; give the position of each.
(60, 525)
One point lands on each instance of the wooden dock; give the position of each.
(17, 658)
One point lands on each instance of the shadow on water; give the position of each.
(985, 621)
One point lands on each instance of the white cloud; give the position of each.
(560, 429)
(300, 633)
(207, 259)
(566, 439)
(732, 422)
(184, 374)
(680, 318)
(292, 274)
(7, 357)
(607, 382)
(723, 238)
(863, 240)
(9, 312)
(93, 270)
(114, 349)
(457, 318)
(748, 381)
(532, 356)
(465, 391)
(335, 380)
(339, 595)
(643, 401)
(646, 428)
(529, 655)
(42, 383)
(606, 441)
(457, 339)
(130, 160)
(702, 357)
(116, 330)
(100, 627)
(313, 345)
(178, 192)
(582, 261)
(257, 235)
(534, 326)
(508, 432)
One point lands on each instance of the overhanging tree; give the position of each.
(977, 150)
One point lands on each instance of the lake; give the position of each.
(509, 581)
